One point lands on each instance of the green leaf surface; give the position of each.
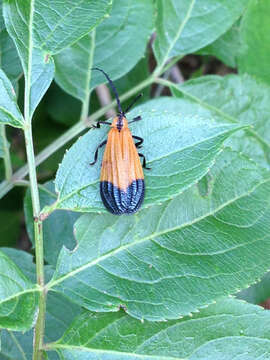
(211, 334)
(235, 99)
(9, 58)
(18, 297)
(190, 251)
(59, 316)
(37, 65)
(60, 313)
(226, 47)
(57, 229)
(9, 110)
(41, 29)
(119, 43)
(25, 262)
(179, 150)
(186, 26)
(255, 28)
(257, 293)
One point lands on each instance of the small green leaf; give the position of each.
(9, 110)
(18, 297)
(188, 25)
(126, 31)
(57, 229)
(174, 262)
(211, 334)
(41, 29)
(179, 150)
(254, 32)
(235, 99)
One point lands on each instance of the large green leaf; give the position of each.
(224, 331)
(255, 28)
(235, 99)
(172, 259)
(179, 149)
(9, 110)
(188, 25)
(18, 297)
(126, 31)
(57, 229)
(42, 28)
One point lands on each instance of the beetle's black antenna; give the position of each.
(113, 89)
(133, 102)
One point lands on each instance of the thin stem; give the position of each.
(6, 154)
(160, 70)
(75, 130)
(40, 327)
(40, 324)
(35, 203)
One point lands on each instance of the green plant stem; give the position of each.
(40, 327)
(87, 90)
(40, 324)
(74, 131)
(6, 155)
(162, 69)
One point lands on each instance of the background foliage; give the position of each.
(184, 277)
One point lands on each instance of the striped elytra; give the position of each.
(122, 179)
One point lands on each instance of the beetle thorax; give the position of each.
(119, 122)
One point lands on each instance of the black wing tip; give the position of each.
(119, 202)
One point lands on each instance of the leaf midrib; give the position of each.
(20, 293)
(61, 200)
(54, 282)
(178, 34)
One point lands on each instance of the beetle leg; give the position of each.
(140, 141)
(144, 162)
(97, 126)
(96, 153)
